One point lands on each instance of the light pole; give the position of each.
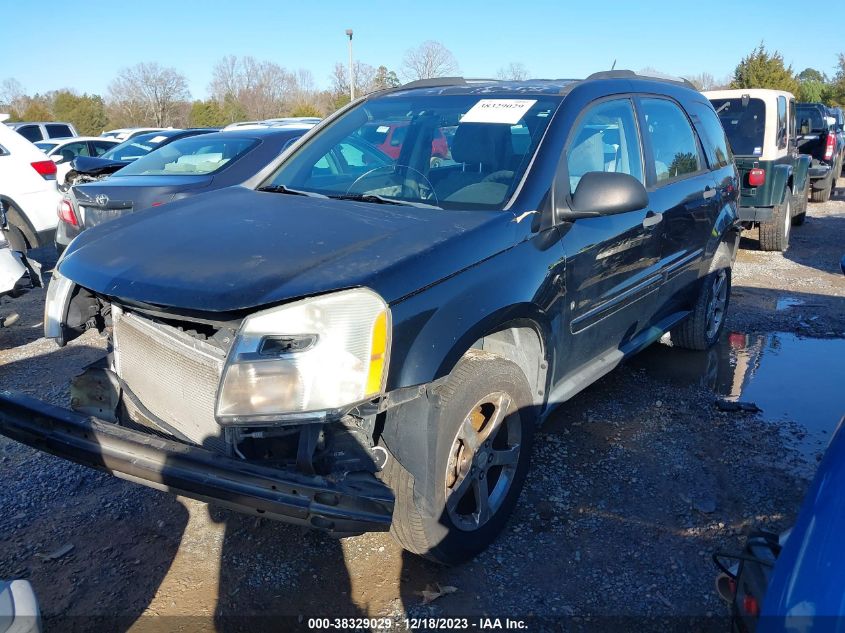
(351, 68)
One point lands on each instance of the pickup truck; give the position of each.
(820, 140)
(838, 115)
(357, 347)
(761, 127)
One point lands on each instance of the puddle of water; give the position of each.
(790, 378)
(784, 303)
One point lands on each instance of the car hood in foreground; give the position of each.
(235, 249)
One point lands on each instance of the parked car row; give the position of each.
(785, 151)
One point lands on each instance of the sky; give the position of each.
(83, 45)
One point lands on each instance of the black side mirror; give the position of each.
(605, 193)
(805, 127)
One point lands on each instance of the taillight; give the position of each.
(756, 177)
(45, 168)
(828, 148)
(750, 605)
(66, 213)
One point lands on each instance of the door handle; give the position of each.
(709, 192)
(652, 219)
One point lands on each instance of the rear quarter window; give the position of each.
(58, 131)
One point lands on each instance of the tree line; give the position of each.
(764, 69)
(246, 88)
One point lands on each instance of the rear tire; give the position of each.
(774, 234)
(17, 241)
(486, 402)
(822, 195)
(704, 326)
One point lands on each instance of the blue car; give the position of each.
(796, 581)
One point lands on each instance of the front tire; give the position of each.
(774, 234)
(484, 421)
(704, 326)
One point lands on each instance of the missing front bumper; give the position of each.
(353, 505)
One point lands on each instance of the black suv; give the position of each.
(350, 344)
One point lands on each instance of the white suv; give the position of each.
(27, 190)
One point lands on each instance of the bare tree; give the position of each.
(429, 59)
(515, 71)
(262, 88)
(366, 79)
(150, 93)
(12, 95)
(702, 81)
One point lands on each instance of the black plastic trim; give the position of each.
(343, 507)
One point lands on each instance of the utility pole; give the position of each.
(351, 68)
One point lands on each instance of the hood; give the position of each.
(234, 249)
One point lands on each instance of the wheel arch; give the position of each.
(16, 217)
(782, 176)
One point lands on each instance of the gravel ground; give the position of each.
(634, 484)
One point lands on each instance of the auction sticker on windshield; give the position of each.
(508, 111)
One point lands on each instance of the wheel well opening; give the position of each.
(522, 346)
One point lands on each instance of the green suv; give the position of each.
(761, 127)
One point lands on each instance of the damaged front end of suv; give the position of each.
(228, 409)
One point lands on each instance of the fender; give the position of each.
(781, 175)
(434, 328)
(799, 174)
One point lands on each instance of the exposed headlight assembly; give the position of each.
(308, 359)
(55, 308)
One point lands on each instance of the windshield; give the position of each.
(744, 126)
(197, 155)
(447, 151)
(135, 148)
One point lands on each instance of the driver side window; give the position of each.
(606, 139)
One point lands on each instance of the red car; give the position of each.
(389, 136)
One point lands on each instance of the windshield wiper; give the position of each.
(288, 190)
(377, 199)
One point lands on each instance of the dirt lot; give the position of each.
(634, 484)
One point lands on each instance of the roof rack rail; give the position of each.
(434, 82)
(630, 74)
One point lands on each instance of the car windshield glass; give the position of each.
(814, 115)
(447, 151)
(44, 146)
(744, 125)
(135, 148)
(194, 155)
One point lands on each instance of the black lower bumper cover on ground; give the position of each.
(350, 506)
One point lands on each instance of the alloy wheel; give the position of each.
(482, 462)
(718, 303)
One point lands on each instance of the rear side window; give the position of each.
(31, 133)
(605, 140)
(673, 145)
(101, 147)
(712, 135)
(58, 131)
(782, 130)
